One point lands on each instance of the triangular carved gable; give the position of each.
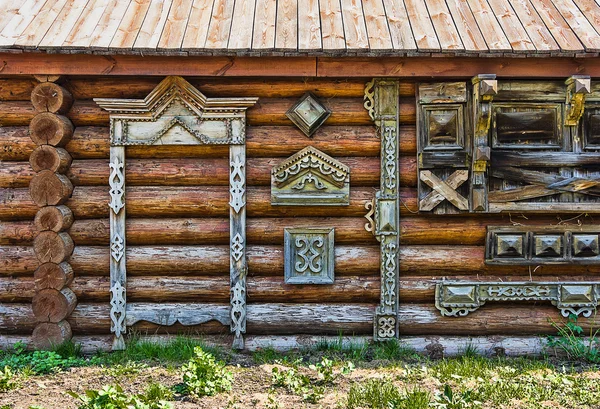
(176, 113)
(310, 177)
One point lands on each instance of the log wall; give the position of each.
(178, 221)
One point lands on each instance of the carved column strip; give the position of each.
(118, 268)
(237, 254)
(50, 188)
(381, 99)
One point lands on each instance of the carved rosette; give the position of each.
(457, 299)
(176, 113)
(381, 100)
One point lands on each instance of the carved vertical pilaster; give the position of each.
(118, 269)
(237, 254)
(485, 87)
(381, 99)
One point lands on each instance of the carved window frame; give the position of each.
(383, 104)
(218, 121)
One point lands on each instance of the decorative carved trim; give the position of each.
(310, 177)
(539, 245)
(457, 299)
(175, 113)
(309, 256)
(444, 190)
(185, 314)
(370, 224)
(577, 88)
(381, 99)
(116, 181)
(308, 114)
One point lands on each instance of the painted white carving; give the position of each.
(391, 157)
(238, 307)
(117, 247)
(370, 224)
(386, 327)
(310, 252)
(117, 309)
(116, 181)
(237, 181)
(237, 247)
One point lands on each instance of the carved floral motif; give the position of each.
(116, 181)
(117, 309)
(308, 256)
(237, 182)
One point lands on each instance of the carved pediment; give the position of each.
(176, 113)
(310, 177)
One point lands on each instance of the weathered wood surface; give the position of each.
(55, 218)
(267, 111)
(226, 27)
(327, 319)
(82, 87)
(210, 201)
(51, 97)
(50, 305)
(46, 157)
(185, 260)
(424, 261)
(452, 345)
(157, 289)
(47, 334)
(44, 128)
(50, 275)
(193, 172)
(52, 247)
(47, 188)
(93, 143)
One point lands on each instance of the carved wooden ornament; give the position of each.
(381, 100)
(309, 178)
(308, 114)
(309, 256)
(175, 113)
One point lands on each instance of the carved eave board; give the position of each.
(175, 113)
(310, 178)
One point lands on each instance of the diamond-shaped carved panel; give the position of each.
(308, 114)
(548, 246)
(510, 246)
(585, 245)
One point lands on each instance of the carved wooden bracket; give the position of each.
(578, 86)
(175, 113)
(539, 245)
(381, 100)
(457, 299)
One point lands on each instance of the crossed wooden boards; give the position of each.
(444, 190)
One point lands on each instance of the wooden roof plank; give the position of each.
(108, 24)
(591, 10)
(20, 21)
(38, 27)
(309, 25)
(512, 26)
(444, 25)
(377, 25)
(332, 26)
(561, 31)
(265, 18)
(130, 25)
(240, 37)
(466, 25)
(9, 8)
(400, 30)
(197, 27)
(534, 25)
(286, 37)
(488, 25)
(422, 27)
(174, 30)
(65, 21)
(355, 29)
(153, 25)
(81, 33)
(220, 25)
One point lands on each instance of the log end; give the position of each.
(46, 157)
(52, 305)
(48, 335)
(50, 189)
(50, 129)
(51, 97)
(55, 218)
(52, 247)
(53, 276)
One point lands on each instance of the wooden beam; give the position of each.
(424, 67)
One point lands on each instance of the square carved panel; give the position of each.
(309, 256)
(308, 114)
(585, 245)
(548, 245)
(510, 245)
(443, 127)
(527, 125)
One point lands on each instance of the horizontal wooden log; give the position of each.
(55, 218)
(267, 111)
(186, 260)
(46, 157)
(47, 188)
(50, 97)
(50, 129)
(346, 289)
(364, 171)
(48, 275)
(52, 247)
(91, 202)
(50, 305)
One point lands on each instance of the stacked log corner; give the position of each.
(53, 301)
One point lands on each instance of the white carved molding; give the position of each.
(176, 113)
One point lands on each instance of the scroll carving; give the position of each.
(309, 256)
(381, 100)
(455, 299)
(175, 113)
(310, 177)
